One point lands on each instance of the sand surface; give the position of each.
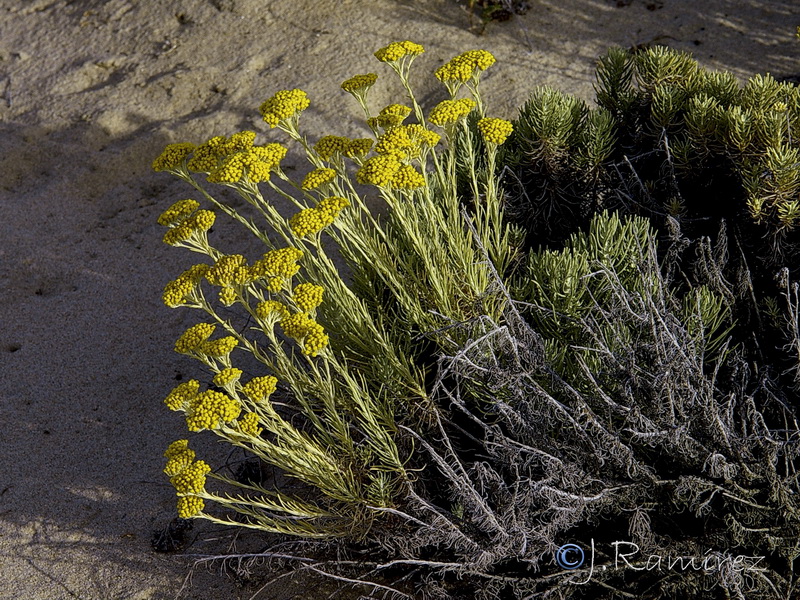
(90, 92)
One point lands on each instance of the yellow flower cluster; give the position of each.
(359, 83)
(219, 348)
(495, 131)
(248, 425)
(187, 476)
(193, 338)
(313, 220)
(408, 178)
(392, 115)
(255, 163)
(304, 329)
(259, 389)
(406, 141)
(358, 147)
(199, 222)
(285, 104)
(231, 160)
(450, 111)
(173, 156)
(379, 170)
(180, 397)
(192, 479)
(307, 296)
(461, 68)
(178, 212)
(316, 178)
(397, 50)
(178, 291)
(227, 376)
(271, 309)
(209, 409)
(179, 456)
(190, 506)
(277, 266)
(229, 269)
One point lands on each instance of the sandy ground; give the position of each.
(90, 92)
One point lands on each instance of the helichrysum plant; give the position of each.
(452, 403)
(335, 374)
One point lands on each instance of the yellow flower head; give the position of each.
(206, 155)
(277, 263)
(179, 462)
(248, 425)
(358, 147)
(227, 376)
(317, 177)
(193, 337)
(333, 205)
(397, 50)
(209, 410)
(178, 291)
(451, 111)
(463, 67)
(330, 145)
(190, 506)
(285, 104)
(218, 348)
(271, 310)
(309, 221)
(392, 115)
(227, 296)
(407, 178)
(179, 397)
(178, 212)
(229, 269)
(379, 170)
(495, 131)
(192, 480)
(176, 447)
(259, 389)
(173, 156)
(359, 83)
(307, 296)
(304, 329)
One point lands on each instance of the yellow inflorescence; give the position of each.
(178, 212)
(248, 425)
(359, 83)
(397, 50)
(227, 296)
(176, 292)
(226, 376)
(495, 131)
(309, 221)
(198, 222)
(190, 506)
(194, 337)
(307, 296)
(379, 170)
(331, 145)
(271, 309)
(259, 389)
(192, 479)
(229, 269)
(333, 205)
(179, 397)
(408, 178)
(358, 147)
(206, 155)
(209, 409)
(173, 156)
(304, 329)
(392, 115)
(281, 263)
(220, 347)
(317, 177)
(461, 68)
(179, 461)
(283, 105)
(450, 111)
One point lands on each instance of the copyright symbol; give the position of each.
(569, 556)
